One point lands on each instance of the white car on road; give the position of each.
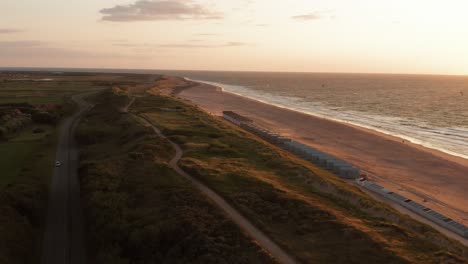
(57, 163)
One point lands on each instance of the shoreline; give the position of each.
(398, 137)
(381, 133)
(376, 153)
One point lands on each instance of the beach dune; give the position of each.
(427, 176)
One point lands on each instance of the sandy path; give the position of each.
(125, 109)
(430, 177)
(265, 242)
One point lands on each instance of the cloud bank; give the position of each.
(196, 44)
(20, 44)
(227, 44)
(151, 10)
(312, 16)
(30, 49)
(9, 30)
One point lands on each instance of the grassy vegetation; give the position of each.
(138, 210)
(32, 100)
(12, 158)
(37, 93)
(308, 211)
(33, 133)
(26, 169)
(26, 162)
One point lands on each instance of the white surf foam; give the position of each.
(453, 140)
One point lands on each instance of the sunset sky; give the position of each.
(398, 36)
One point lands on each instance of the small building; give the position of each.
(236, 118)
(415, 207)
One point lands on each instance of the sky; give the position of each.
(366, 36)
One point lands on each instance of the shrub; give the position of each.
(38, 130)
(44, 118)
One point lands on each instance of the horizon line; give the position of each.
(83, 69)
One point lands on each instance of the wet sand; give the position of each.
(430, 177)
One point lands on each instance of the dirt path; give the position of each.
(265, 242)
(125, 109)
(64, 232)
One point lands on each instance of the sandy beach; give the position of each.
(427, 176)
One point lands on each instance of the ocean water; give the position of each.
(425, 109)
(429, 110)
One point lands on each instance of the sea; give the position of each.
(430, 110)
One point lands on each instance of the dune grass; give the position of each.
(310, 212)
(137, 209)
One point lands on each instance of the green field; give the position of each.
(21, 153)
(26, 165)
(12, 157)
(28, 133)
(31, 100)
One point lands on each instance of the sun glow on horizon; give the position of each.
(327, 36)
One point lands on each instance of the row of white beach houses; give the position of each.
(344, 170)
(340, 167)
(333, 164)
(415, 207)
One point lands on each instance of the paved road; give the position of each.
(232, 213)
(64, 232)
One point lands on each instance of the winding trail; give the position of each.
(264, 241)
(125, 109)
(64, 241)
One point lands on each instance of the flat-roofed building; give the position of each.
(417, 208)
(236, 118)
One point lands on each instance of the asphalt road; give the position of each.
(264, 241)
(64, 233)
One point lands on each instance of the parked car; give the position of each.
(57, 163)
